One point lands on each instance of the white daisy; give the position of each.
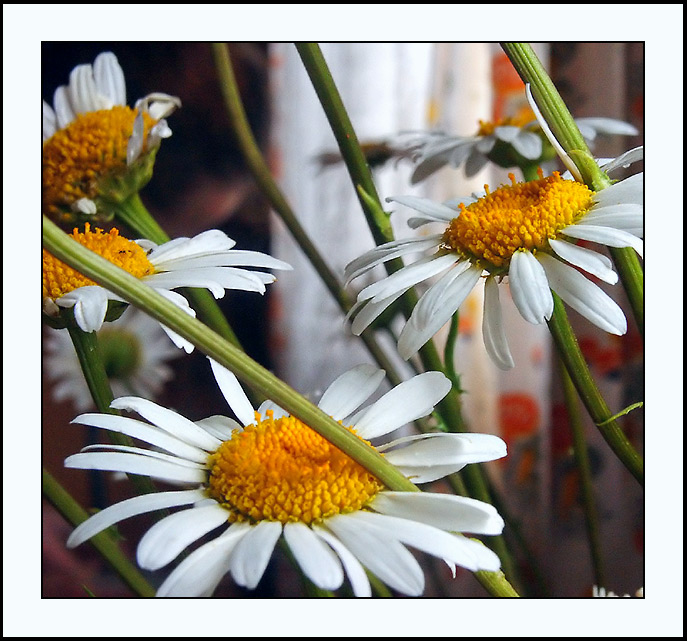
(135, 352)
(95, 148)
(504, 142)
(270, 475)
(525, 232)
(207, 260)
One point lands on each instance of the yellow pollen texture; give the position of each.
(486, 127)
(282, 470)
(76, 157)
(517, 216)
(59, 278)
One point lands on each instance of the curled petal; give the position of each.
(530, 288)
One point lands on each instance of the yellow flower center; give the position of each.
(59, 278)
(90, 147)
(282, 470)
(486, 128)
(516, 217)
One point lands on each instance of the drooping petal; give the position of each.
(584, 296)
(530, 288)
(199, 573)
(624, 160)
(90, 306)
(365, 312)
(605, 236)
(430, 208)
(252, 553)
(587, 259)
(314, 557)
(355, 572)
(165, 540)
(493, 330)
(445, 511)
(350, 390)
(628, 191)
(233, 393)
(131, 507)
(408, 401)
(380, 552)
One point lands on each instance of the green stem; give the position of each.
(571, 355)
(584, 470)
(219, 349)
(103, 542)
(257, 165)
(632, 277)
(134, 214)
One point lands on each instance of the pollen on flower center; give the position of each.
(282, 470)
(486, 127)
(77, 157)
(518, 216)
(59, 278)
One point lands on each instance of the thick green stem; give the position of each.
(571, 355)
(103, 542)
(584, 470)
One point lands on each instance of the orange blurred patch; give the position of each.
(518, 415)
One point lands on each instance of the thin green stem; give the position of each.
(632, 277)
(584, 470)
(571, 355)
(65, 504)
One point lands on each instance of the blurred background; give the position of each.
(297, 330)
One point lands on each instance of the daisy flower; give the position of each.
(134, 351)
(527, 233)
(97, 150)
(207, 260)
(269, 475)
(505, 142)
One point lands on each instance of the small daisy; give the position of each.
(96, 150)
(206, 260)
(601, 593)
(526, 232)
(505, 143)
(270, 475)
(134, 350)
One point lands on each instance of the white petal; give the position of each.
(450, 547)
(408, 401)
(476, 161)
(165, 540)
(589, 127)
(216, 279)
(253, 552)
(529, 288)
(109, 78)
(134, 146)
(83, 94)
(445, 511)
(380, 552)
(605, 236)
(625, 217)
(49, 121)
(587, 259)
(584, 296)
(628, 191)
(199, 574)
(63, 109)
(182, 304)
(365, 312)
(350, 390)
(355, 572)
(233, 393)
(493, 330)
(426, 206)
(232, 258)
(90, 306)
(506, 133)
(168, 420)
(130, 507)
(135, 464)
(145, 432)
(624, 160)
(407, 277)
(207, 242)
(314, 557)
(528, 145)
(221, 427)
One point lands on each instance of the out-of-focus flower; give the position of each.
(269, 475)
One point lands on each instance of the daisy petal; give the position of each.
(207, 242)
(165, 540)
(401, 404)
(529, 288)
(314, 557)
(233, 393)
(130, 507)
(355, 572)
(366, 312)
(49, 121)
(584, 296)
(605, 236)
(493, 330)
(109, 78)
(63, 109)
(253, 552)
(587, 259)
(528, 145)
(380, 552)
(221, 427)
(348, 392)
(630, 190)
(426, 206)
(199, 574)
(90, 306)
(445, 511)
